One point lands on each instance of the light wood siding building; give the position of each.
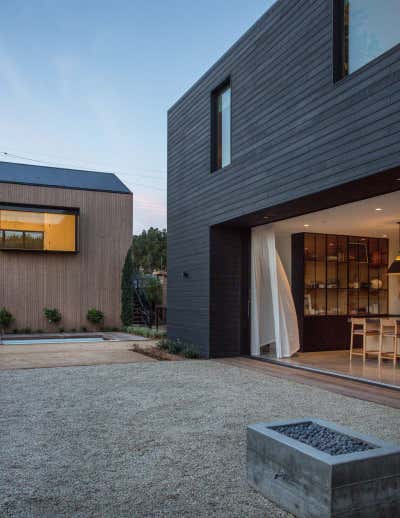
(88, 274)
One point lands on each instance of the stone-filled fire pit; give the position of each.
(314, 468)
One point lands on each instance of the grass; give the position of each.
(146, 332)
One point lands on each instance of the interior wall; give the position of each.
(283, 243)
(394, 281)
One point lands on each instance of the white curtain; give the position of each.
(273, 314)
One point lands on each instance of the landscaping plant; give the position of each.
(127, 301)
(147, 332)
(5, 319)
(52, 315)
(179, 347)
(95, 316)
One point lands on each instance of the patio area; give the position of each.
(151, 439)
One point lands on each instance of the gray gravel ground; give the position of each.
(150, 439)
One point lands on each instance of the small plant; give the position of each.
(191, 352)
(61, 330)
(179, 347)
(144, 331)
(83, 329)
(52, 315)
(27, 330)
(95, 316)
(5, 319)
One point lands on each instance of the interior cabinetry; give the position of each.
(335, 277)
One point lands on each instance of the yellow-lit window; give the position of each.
(47, 231)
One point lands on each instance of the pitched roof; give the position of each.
(56, 177)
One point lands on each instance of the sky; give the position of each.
(87, 84)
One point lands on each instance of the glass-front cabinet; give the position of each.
(338, 276)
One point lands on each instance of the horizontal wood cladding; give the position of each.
(295, 132)
(73, 283)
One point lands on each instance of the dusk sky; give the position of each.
(87, 83)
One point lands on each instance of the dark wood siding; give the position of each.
(294, 132)
(72, 283)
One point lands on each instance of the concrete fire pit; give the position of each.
(314, 468)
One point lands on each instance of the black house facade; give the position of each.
(302, 114)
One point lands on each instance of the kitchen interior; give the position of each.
(345, 281)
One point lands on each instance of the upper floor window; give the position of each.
(32, 228)
(365, 29)
(221, 126)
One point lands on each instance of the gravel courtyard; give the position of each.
(149, 439)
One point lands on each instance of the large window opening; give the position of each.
(365, 29)
(221, 127)
(37, 229)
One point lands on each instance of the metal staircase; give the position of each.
(142, 310)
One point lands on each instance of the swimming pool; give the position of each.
(34, 341)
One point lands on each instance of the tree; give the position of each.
(150, 250)
(127, 302)
(6, 319)
(153, 290)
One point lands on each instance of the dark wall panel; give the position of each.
(294, 132)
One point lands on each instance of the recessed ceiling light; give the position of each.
(266, 217)
(378, 209)
(306, 225)
(384, 235)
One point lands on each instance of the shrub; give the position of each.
(61, 330)
(52, 315)
(127, 297)
(83, 329)
(178, 347)
(5, 319)
(191, 352)
(27, 330)
(39, 331)
(147, 332)
(95, 316)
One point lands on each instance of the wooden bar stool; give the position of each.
(361, 327)
(390, 328)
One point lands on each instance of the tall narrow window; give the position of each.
(365, 29)
(221, 127)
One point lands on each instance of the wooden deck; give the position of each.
(356, 389)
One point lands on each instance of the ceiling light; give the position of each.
(266, 217)
(306, 225)
(384, 235)
(378, 209)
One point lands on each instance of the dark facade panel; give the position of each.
(295, 132)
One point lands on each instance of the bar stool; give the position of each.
(361, 327)
(390, 328)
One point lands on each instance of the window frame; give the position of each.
(41, 209)
(341, 46)
(215, 96)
